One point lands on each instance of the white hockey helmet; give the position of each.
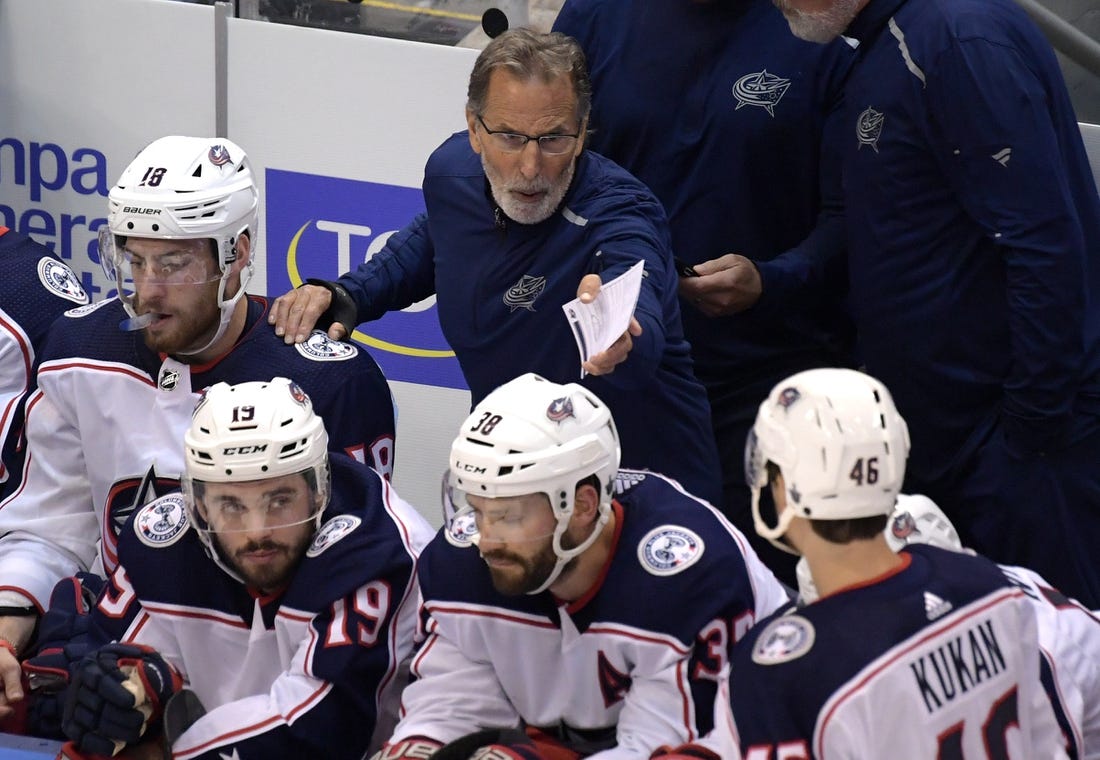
(917, 520)
(181, 188)
(839, 442)
(529, 436)
(254, 431)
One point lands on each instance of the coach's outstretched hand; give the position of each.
(605, 362)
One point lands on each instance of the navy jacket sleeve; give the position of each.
(988, 101)
(401, 274)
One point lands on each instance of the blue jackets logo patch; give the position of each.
(522, 295)
(669, 549)
(786, 638)
(869, 128)
(462, 529)
(760, 89)
(162, 522)
(58, 278)
(331, 532)
(321, 348)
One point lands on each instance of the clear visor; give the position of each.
(189, 263)
(756, 475)
(256, 506)
(504, 520)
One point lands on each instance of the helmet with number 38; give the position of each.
(839, 443)
(531, 436)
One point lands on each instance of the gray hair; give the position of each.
(531, 55)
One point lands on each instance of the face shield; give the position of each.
(501, 521)
(134, 272)
(256, 507)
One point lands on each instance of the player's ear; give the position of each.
(243, 247)
(586, 504)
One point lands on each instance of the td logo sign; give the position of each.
(323, 227)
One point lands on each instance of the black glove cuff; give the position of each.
(342, 309)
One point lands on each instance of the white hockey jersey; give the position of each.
(1069, 636)
(630, 666)
(105, 429)
(307, 673)
(939, 659)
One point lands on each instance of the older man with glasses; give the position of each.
(521, 219)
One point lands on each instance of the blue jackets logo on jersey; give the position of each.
(786, 638)
(869, 128)
(760, 89)
(331, 532)
(58, 278)
(522, 295)
(130, 494)
(320, 346)
(162, 522)
(669, 549)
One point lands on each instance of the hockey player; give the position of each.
(117, 380)
(279, 588)
(37, 287)
(593, 606)
(923, 653)
(518, 213)
(1069, 634)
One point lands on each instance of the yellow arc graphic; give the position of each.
(383, 345)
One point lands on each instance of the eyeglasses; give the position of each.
(514, 142)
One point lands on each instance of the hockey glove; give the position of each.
(63, 642)
(416, 748)
(505, 744)
(341, 309)
(115, 693)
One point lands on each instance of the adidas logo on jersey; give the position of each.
(934, 606)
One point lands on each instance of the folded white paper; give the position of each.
(598, 324)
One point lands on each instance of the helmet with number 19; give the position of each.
(839, 443)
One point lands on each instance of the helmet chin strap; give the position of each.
(564, 555)
(772, 534)
(227, 307)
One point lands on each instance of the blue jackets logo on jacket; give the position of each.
(869, 128)
(522, 295)
(760, 89)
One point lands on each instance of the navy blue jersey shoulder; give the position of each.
(500, 286)
(351, 395)
(850, 630)
(22, 295)
(652, 515)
